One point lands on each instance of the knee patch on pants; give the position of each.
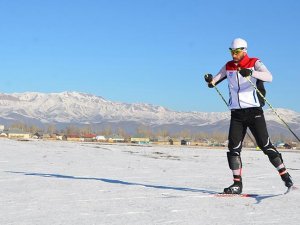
(274, 156)
(234, 160)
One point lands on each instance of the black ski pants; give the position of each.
(252, 118)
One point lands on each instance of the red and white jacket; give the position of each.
(242, 94)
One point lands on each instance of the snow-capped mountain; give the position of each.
(74, 107)
(81, 108)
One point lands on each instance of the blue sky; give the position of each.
(150, 51)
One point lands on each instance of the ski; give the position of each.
(290, 189)
(224, 195)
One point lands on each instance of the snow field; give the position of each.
(51, 183)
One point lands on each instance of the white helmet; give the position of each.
(239, 43)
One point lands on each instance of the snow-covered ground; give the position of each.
(60, 183)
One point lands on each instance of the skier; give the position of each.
(246, 111)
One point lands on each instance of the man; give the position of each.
(246, 111)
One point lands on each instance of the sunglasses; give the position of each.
(236, 50)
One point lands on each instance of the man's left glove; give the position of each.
(245, 72)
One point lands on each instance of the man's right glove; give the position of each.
(208, 78)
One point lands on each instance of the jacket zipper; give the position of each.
(238, 92)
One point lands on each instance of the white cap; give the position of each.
(239, 43)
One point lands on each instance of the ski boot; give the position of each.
(235, 188)
(287, 180)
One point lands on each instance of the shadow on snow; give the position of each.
(257, 197)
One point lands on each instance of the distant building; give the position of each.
(89, 137)
(185, 142)
(37, 135)
(100, 138)
(73, 137)
(140, 140)
(17, 134)
(3, 135)
(1, 127)
(47, 137)
(58, 136)
(116, 139)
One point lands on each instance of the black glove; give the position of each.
(245, 72)
(208, 78)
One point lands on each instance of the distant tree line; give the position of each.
(141, 131)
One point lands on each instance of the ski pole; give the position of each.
(220, 94)
(259, 92)
(206, 76)
(215, 87)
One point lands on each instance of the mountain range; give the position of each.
(80, 109)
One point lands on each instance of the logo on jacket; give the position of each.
(231, 74)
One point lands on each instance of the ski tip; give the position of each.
(292, 188)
